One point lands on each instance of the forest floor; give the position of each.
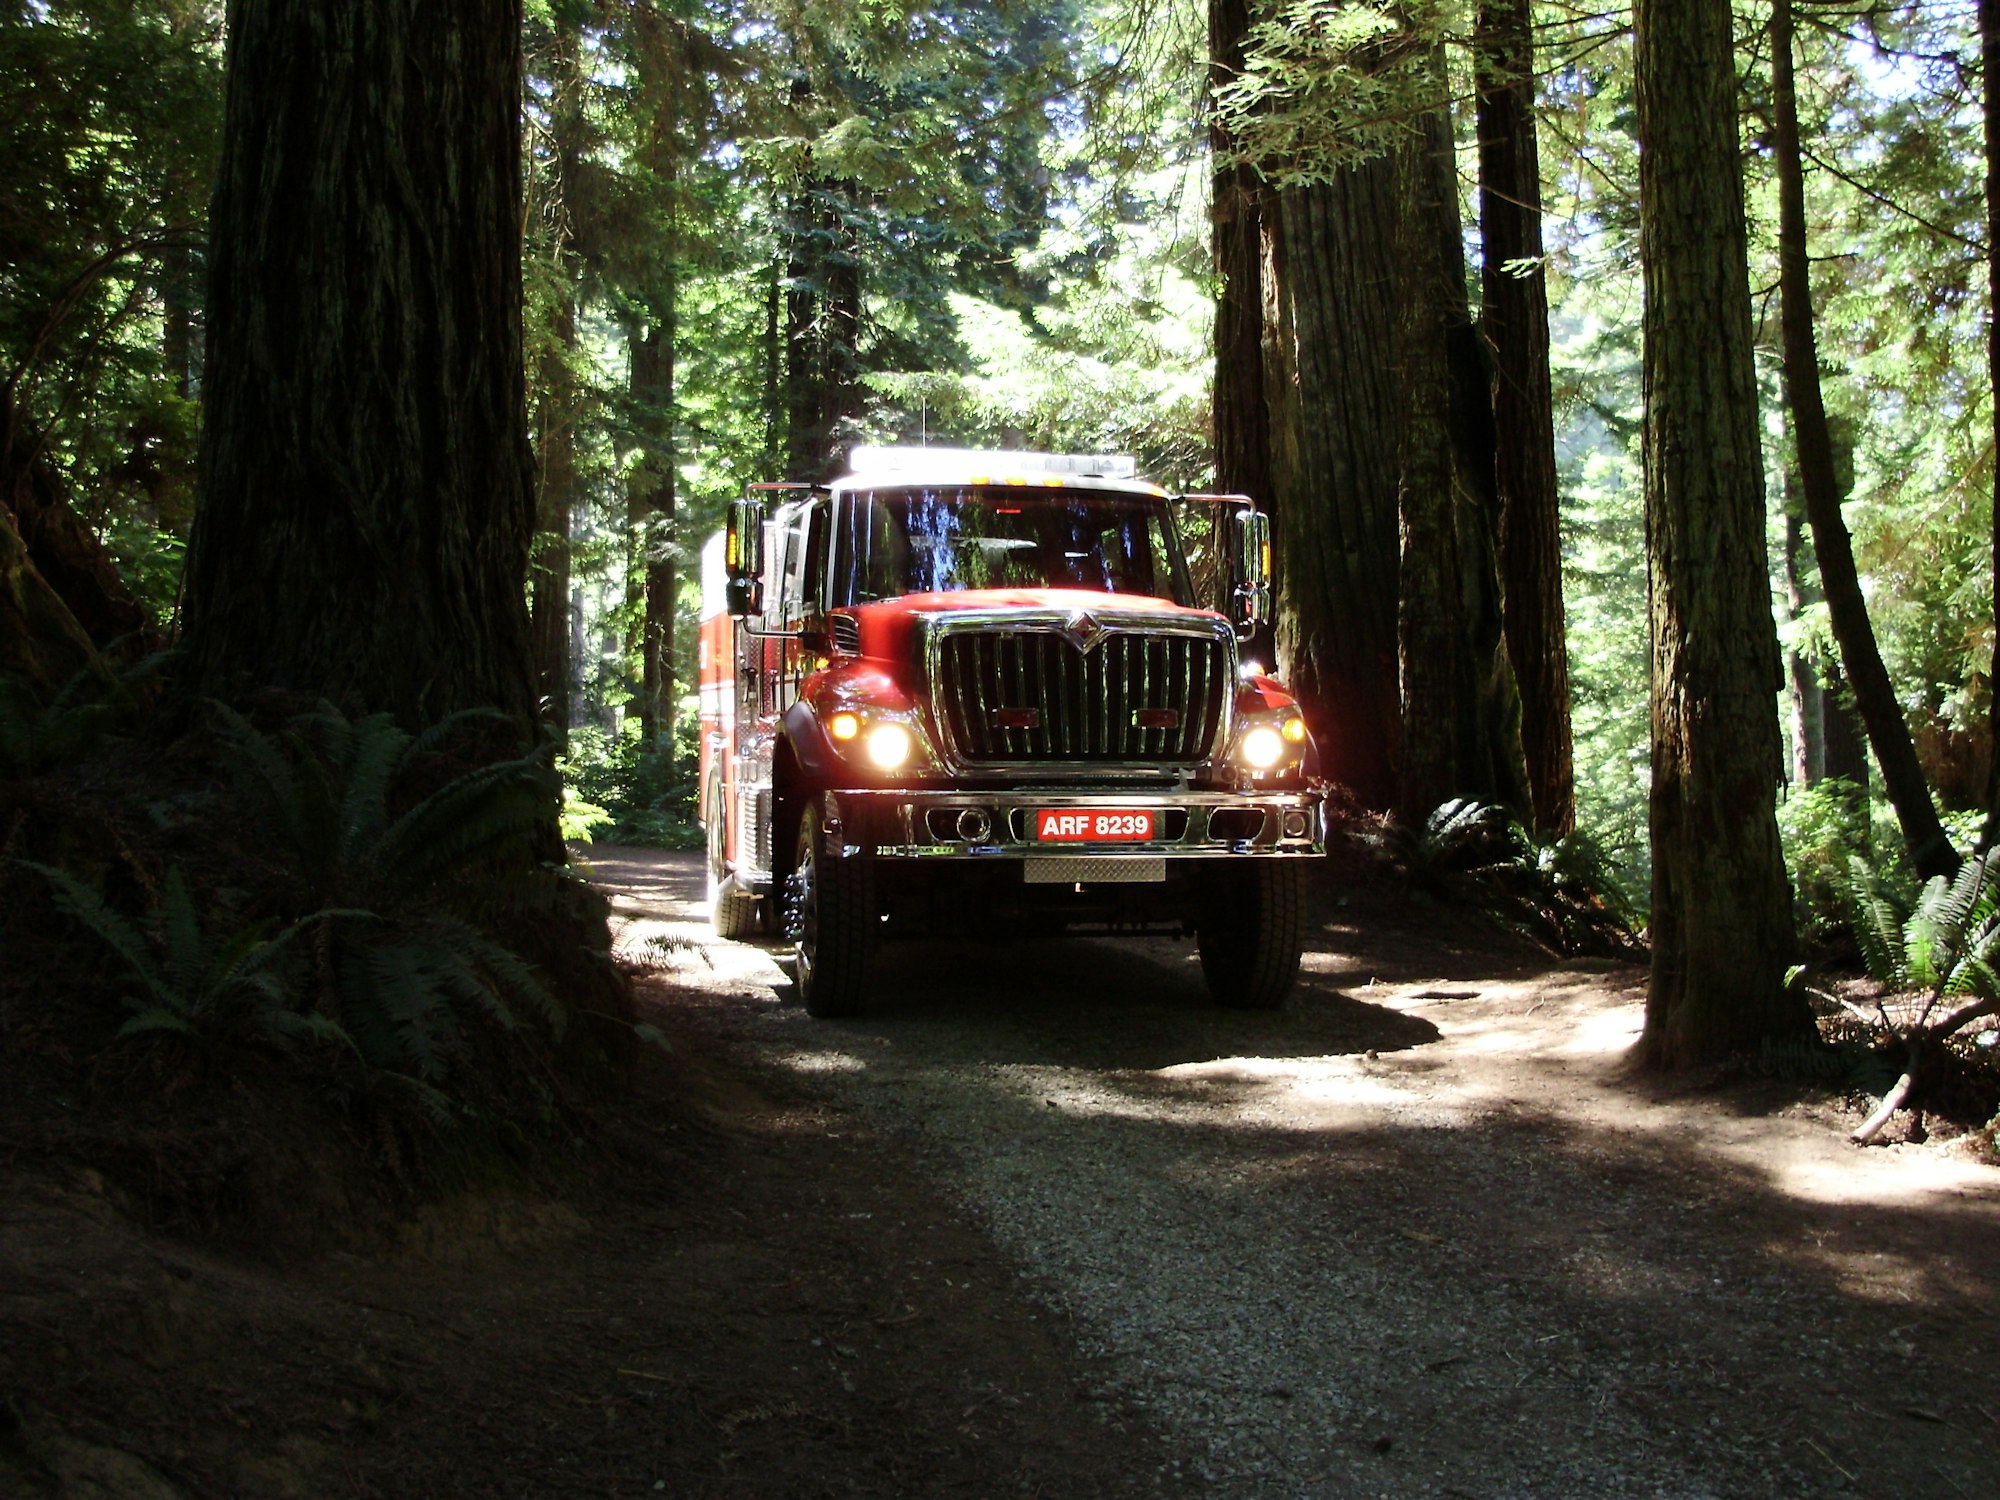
(1043, 1222)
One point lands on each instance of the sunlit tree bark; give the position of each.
(1722, 914)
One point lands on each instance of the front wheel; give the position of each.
(1251, 931)
(830, 917)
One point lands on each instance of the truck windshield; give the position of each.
(913, 540)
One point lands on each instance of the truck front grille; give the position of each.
(1015, 696)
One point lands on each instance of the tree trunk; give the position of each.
(1989, 54)
(40, 640)
(1242, 421)
(1722, 919)
(367, 502)
(555, 504)
(1805, 697)
(1330, 309)
(1847, 607)
(1514, 318)
(651, 516)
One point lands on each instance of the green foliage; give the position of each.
(647, 795)
(185, 979)
(1563, 894)
(1824, 828)
(1943, 945)
(1327, 84)
(386, 851)
(37, 735)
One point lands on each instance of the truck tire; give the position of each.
(733, 916)
(831, 911)
(1250, 932)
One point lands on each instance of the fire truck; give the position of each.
(961, 693)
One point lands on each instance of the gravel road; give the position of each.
(1419, 1234)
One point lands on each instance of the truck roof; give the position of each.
(893, 468)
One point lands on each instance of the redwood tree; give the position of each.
(1514, 321)
(1722, 918)
(366, 502)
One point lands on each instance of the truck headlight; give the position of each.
(889, 745)
(1262, 748)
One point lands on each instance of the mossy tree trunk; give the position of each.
(1722, 914)
(366, 505)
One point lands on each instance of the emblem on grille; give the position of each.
(1083, 630)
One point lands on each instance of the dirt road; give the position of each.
(1420, 1234)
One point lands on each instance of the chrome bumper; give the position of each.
(999, 825)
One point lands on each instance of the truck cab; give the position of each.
(969, 693)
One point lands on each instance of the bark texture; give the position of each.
(1514, 321)
(1819, 483)
(1330, 299)
(1722, 920)
(366, 501)
(1242, 419)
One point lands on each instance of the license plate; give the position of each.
(1093, 825)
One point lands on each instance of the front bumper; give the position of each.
(986, 825)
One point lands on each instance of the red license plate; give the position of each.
(1093, 825)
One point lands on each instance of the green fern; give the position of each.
(1940, 949)
(188, 981)
(382, 879)
(36, 735)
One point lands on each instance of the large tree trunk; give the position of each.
(1847, 607)
(366, 503)
(1329, 290)
(1242, 420)
(1459, 711)
(1722, 917)
(1515, 321)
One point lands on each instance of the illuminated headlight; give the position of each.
(844, 725)
(1262, 748)
(889, 745)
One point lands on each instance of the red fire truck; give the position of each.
(959, 692)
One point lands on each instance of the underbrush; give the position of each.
(1562, 894)
(278, 984)
(623, 792)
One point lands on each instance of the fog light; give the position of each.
(844, 725)
(1263, 747)
(889, 745)
(1295, 825)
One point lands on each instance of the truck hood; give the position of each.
(888, 627)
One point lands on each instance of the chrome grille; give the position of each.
(847, 634)
(1013, 696)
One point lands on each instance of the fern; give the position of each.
(195, 985)
(1940, 948)
(380, 876)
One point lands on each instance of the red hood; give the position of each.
(887, 626)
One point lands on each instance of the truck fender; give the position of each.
(818, 761)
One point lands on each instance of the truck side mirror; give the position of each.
(743, 558)
(1252, 601)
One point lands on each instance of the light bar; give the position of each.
(900, 460)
